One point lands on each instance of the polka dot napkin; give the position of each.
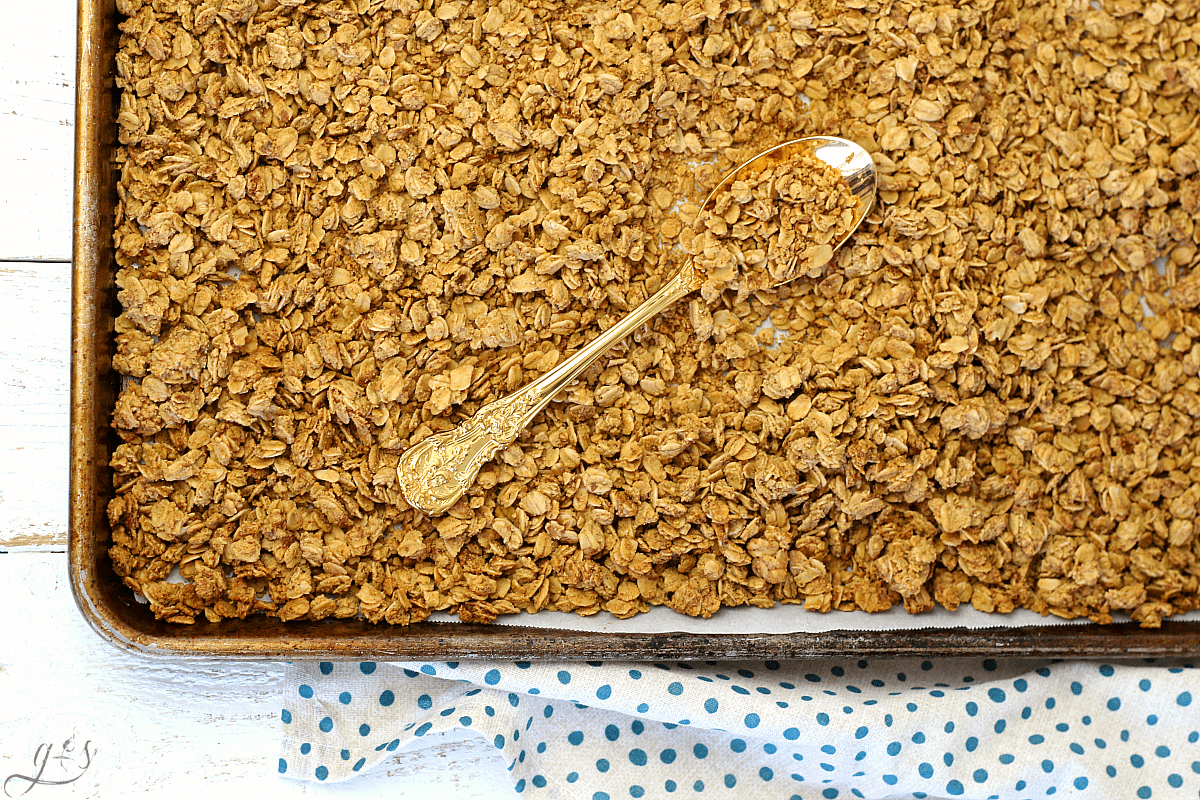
(846, 728)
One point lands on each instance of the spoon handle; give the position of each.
(434, 473)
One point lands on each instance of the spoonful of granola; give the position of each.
(778, 217)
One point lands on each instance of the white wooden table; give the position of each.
(143, 728)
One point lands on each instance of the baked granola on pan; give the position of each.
(345, 225)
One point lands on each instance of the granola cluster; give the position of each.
(345, 225)
(778, 220)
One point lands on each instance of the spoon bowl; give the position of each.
(848, 158)
(435, 473)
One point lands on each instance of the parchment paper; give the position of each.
(788, 619)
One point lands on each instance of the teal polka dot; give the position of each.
(539, 781)
(638, 726)
(979, 776)
(601, 796)
(711, 705)
(428, 669)
(1047, 765)
(424, 729)
(612, 733)
(359, 764)
(1175, 780)
(602, 765)
(286, 716)
(367, 667)
(700, 750)
(635, 674)
(1106, 671)
(667, 756)
(972, 709)
(1162, 751)
(670, 786)
(893, 749)
(730, 781)
(752, 720)
(829, 793)
(305, 748)
(564, 677)
(636, 791)
(572, 777)
(698, 786)
(282, 766)
(387, 698)
(738, 746)
(637, 757)
(890, 780)
(1007, 758)
(1144, 792)
(925, 769)
(326, 725)
(1137, 761)
(791, 734)
(822, 718)
(326, 668)
(364, 729)
(861, 732)
(971, 744)
(604, 692)
(492, 677)
(322, 772)
(675, 688)
(345, 755)
(344, 698)
(643, 708)
(766, 773)
(306, 691)
(996, 695)
(1114, 704)
(1184, 699)
(954, 788)
(1081, 783)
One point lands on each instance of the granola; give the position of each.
(345, 225)
(771, 225)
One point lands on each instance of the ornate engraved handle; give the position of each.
(434, 473)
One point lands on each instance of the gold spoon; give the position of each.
(434, 473)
